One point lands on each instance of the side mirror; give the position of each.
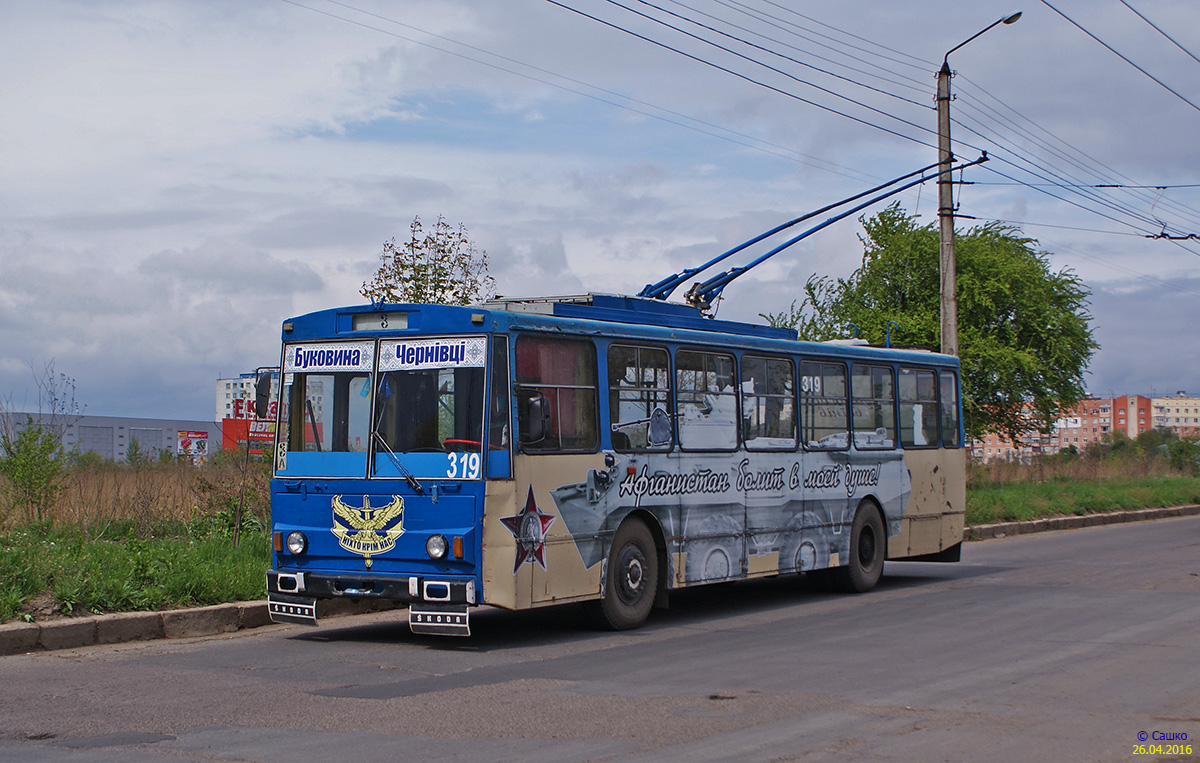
(262, 395)
(537, 418)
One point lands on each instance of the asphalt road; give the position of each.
(1060, 646)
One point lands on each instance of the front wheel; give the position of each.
(631, 578)
(868, 547)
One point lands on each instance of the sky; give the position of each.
(181, 177)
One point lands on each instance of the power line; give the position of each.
(756, 144)
(739, 75)
(1095, 167)
(1119, 55)
(920, 65)
(749, 59)
(1160, 31)
(1099, 185)
(1066, 184)
(789, 27)
(767, 50)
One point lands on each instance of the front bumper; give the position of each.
(406, 589)
(436, 605)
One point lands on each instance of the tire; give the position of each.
(631, 577)
(868, 547)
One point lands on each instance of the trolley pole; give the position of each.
(946, 260)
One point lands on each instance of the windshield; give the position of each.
(325, 414)
(429, 408)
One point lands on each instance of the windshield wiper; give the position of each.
(408, 476)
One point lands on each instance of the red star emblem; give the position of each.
(529, 528)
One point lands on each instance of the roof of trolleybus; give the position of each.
(602, 315)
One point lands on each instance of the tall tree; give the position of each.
(439, 267)
(1024, 334)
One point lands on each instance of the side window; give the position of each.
(874, 407)
(918, 408)
(824, 406)
(949, 383)
(499, 440)
(705, 401)
(768, 404)
(639, 398)
(556, 394)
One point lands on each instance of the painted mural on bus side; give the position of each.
(798, 505)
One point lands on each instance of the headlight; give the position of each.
(296, 542)
(436, 546)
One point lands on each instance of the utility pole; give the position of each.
(946, 259)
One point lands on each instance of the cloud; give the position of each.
(180, 178)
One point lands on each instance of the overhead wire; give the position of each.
(1064, 183)
(1068, 184)
(919, 64)
(742, 139)
(751, 59)
(1068, 152)
(738, 74)
(1165, 86)
(769, 51)
(788, 27)
(1159, 30)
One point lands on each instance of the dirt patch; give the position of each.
(42, 607)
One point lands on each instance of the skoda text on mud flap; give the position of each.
(604, 449)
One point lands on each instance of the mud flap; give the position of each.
(298, 610)
(439, 619)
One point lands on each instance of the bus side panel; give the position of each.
(933, 520)
(502, 587)
(565, 576)
(531, 556)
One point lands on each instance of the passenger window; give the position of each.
(768, 404)
(918, 408)
(499, 443)
(556, 381)
(706, 401)
(824, 406)
(949, 383)
(874, 407)
(639, 398)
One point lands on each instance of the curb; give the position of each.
(1004, 529)
(69, 633)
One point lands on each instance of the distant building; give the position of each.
(110, 436)
(235, 396)
(1132, 415)
(1093, 420)
(236, 411)
(1180, 414)
(1086, 423)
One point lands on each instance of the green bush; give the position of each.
(31, 461)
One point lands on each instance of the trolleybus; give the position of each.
(599, 448)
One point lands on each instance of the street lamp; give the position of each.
(946, 261)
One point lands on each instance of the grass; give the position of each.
(1154, 470)
(150, 537)
(124, 538)
(48, 570)
(1016, 501)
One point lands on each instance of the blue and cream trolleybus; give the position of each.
(598, 448)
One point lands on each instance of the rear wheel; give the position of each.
(868, 547)
(631, 577)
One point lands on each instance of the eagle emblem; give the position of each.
(368, 531)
